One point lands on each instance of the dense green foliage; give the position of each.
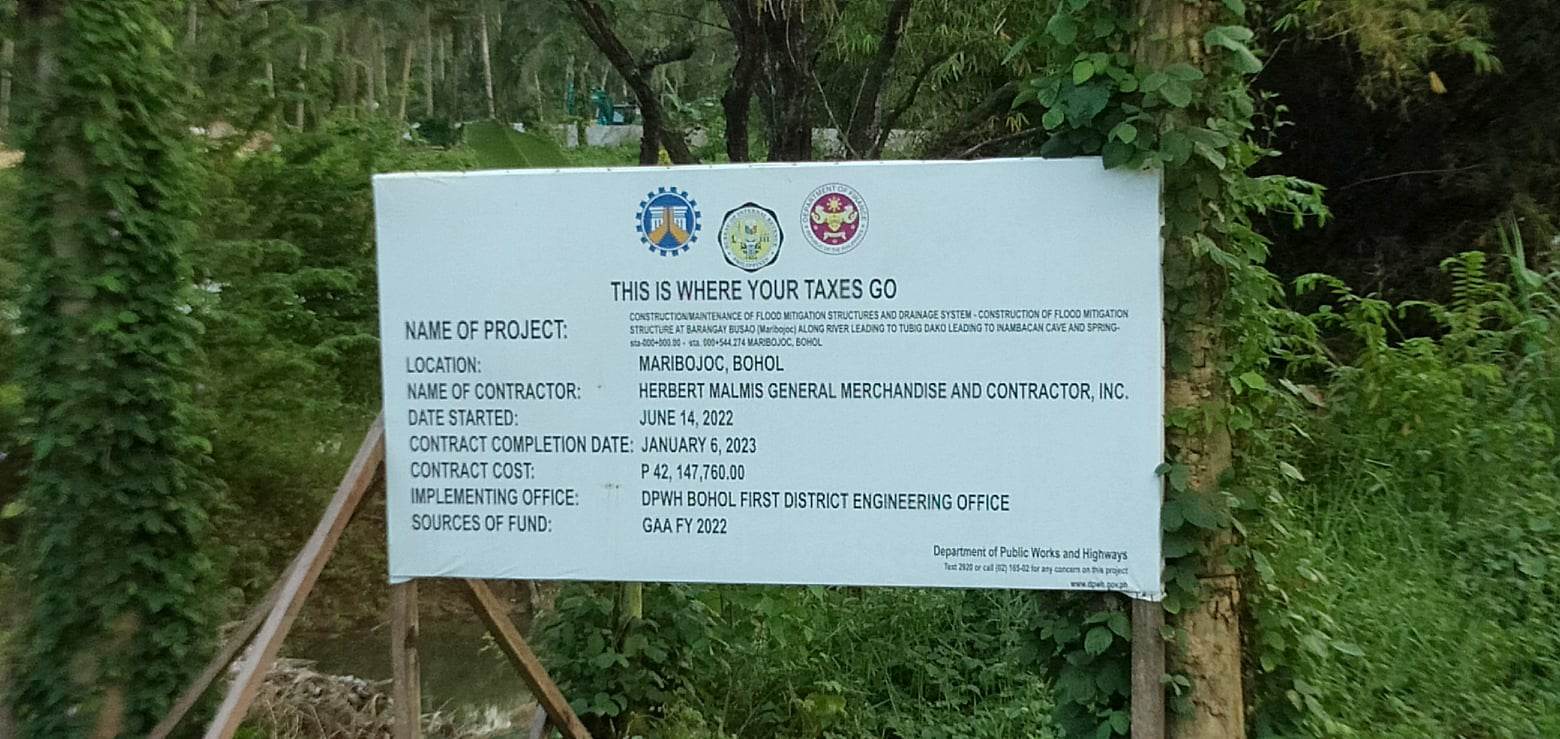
(1434, 485)
(801, 662)
(115, 559)
(285, 264)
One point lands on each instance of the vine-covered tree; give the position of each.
(114, 566)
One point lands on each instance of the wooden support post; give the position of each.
(224, 657)
(406, 671)
(493, 613)
(299, 581)
(1148, 669)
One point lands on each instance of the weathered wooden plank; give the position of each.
(1148, 669)
(493, 613)
(405, 669)
(300, 580)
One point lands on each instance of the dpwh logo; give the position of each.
(668, 221)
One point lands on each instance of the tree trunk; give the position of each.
(790, 47)
(456, 64)
(487, 70)
(1173, 31)
(381, 63)
(92, 659)
(7, 60)
(365, 48)
(737, 101)
(348, 64)
(406, 80)
(272, 110)
(536, 85)
(191, 21)
(427, 62)
(635, 74)
(440, 64)
(303, 84)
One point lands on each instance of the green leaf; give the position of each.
(1349, 648)
(1115, 154)
(1291, 472)
(1236, 34)
(1198, 513)
(1183, 72)
(1098, 640)
(1119, 623)
(1082, 72)
(111, 283)
(1024, 96)
(13, 509)
(1177, 148)
(1017, 49)
(1176, 92)
(1083, 103)
(1238, 7)
(1063, 28)
(1053, 118)
(1124, 132)
(1234, 38)
(1179, 545)
(1253, 380)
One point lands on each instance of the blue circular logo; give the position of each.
(668, 221)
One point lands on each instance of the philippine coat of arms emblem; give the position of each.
(750, 236)
(668, 221)
(834, 218)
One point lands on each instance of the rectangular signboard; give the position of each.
(887, 373)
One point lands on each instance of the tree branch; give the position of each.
(1410, 173)
(685, 17)
(948, 141)
(597, 26)
(666, 55)
(738, 98)
(866, 114)
(895, 113)
(998, 140)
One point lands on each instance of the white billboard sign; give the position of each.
(887, 373)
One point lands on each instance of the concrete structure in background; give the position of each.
(826, 140)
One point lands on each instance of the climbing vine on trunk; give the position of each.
(1165, 84)
(115, 570)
